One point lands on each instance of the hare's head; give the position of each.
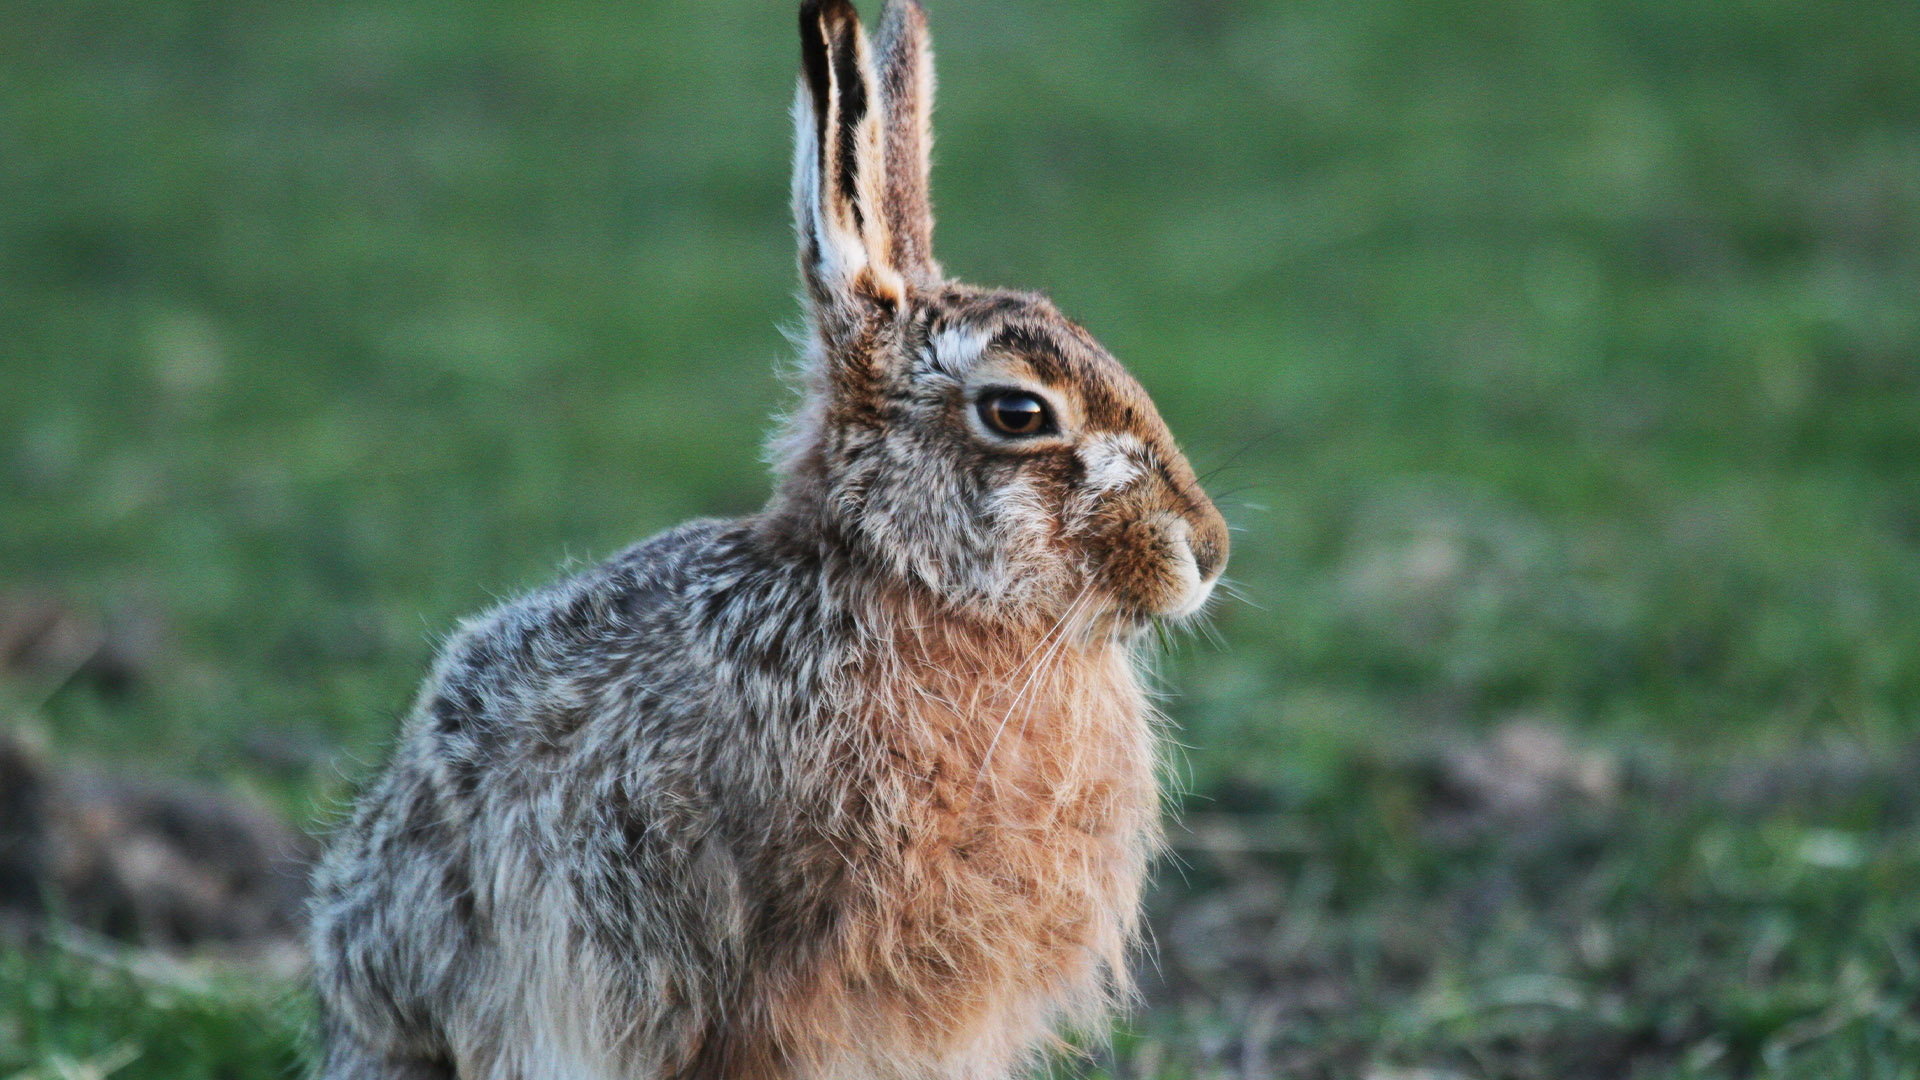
(974, 441)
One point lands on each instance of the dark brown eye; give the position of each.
(1016, 413)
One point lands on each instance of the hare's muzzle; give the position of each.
(1163, 550)
(1200, 553)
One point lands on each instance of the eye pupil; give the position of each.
(1015, 414)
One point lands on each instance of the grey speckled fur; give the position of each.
(597, 726)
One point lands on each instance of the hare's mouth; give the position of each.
(1196, 599)
(1192, 590)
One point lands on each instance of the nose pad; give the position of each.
(1207, 557)
(1206, 536)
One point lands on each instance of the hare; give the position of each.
(860, 787)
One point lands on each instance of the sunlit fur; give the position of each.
(858, 788)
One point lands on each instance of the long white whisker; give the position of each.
(1049, 644)
(1057, 645)
(1035, 660)
(1234, 590)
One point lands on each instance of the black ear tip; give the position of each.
(822, 21)
(833, 12)
(829, 30)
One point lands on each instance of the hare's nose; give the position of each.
(1207, 537)
(1207, 558)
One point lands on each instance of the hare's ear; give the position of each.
(839, 168)
(904, 64)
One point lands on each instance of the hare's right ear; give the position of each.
(839, 168)
(905, 68)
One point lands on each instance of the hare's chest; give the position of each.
(1022, 792)
(1016, 833)
(1024, 775)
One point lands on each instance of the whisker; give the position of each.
(1275, 432)
(1049, 649)
(1243, 489)
(1057, 646)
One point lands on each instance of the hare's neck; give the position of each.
(796, 513)
(967, 683)
(893, 633)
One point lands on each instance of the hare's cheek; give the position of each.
(1023, 516)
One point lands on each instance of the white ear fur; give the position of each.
(831, 251)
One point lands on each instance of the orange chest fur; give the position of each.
(978, 766)
(1014, 813)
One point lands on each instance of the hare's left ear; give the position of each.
(839, 166)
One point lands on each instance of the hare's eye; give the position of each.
(1016, 413)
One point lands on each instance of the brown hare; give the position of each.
(859, 787)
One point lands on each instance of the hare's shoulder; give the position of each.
(540, 665)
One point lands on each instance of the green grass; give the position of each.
(1558, 360)
(1708, 924)
(72, 1017)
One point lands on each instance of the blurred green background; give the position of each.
(1557, 362)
